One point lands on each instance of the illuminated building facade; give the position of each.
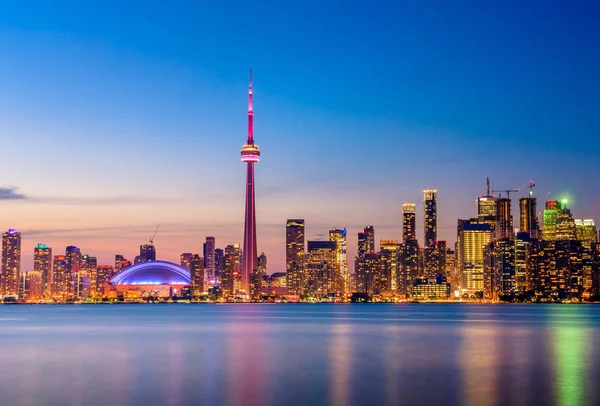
(42, 263)
(528, 216)
(389, 266)
(185, 260)
(250, 156)
(61, 278)
(150, 279)
(550, 219)
(322, 269)
(366, 241)
(367, 273)
(472, 237)
(231, 278)
(121, 263)
(31, 286)
(219, 263)
(409, 226)
(209, 248)
(504, 219)
(430, 217)
(339, 237)
(103, 274)
(586, 232)
(499, 268)
(197, 274)
(430, 289)
(73, 259)
(147, 253)
(410, 266)
(487, 209)
(256, 281)
(294, 255)
(565, 225)
(87, 276)
(10, 275)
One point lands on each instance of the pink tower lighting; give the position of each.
(250, 155)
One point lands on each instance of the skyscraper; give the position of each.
(430, 217)
(219, 262)
(339, 236)
(73, 269)
(321, 267)
(87, 276)
(121, 263)
(528, 216)
(259, 275)
(185, 260)
(61, 278)
(487, 207)
(42, 263)
(586, 232)
(147, 253)
(504, 219)
(197, 274)
(209, 258)
(294, 255)
(366, 241)
(11, 262)
(250, 156)
(565, 223)
(409, 228)
(231, 278)
(472, 237)
(550, 217)
(103, 275)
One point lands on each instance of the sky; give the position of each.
(119, 116)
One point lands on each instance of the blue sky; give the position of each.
(116, 117)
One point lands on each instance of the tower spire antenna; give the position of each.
(250, 114)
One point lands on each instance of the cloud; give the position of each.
(10, 193)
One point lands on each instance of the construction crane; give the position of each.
(154, 235)
(530, 187)
(508, 192)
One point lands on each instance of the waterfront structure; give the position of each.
(339, 237)
(430, 289)
(472, 237)
(430, 217)
(42, 263)
(294, 255)
(250, 156)
(209, 258)
(10, 275)
(409, 227)
(150, 279)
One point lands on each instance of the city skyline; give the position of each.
(152, 129)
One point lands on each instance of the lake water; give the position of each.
(300, 354)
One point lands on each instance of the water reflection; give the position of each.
(341, 358)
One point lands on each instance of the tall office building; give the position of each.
(185, 260)
(499, 268)
(231, 278)
(87, 276)
(197, 274)
(472, 237)
(586, 232)
(11, 262)
(390, 265)
(339, 236)
(61, 278)
(430, 217)
(147, 253)
(209, 258)
(504, 219)
(294, 255)
(322, 269)
(367, 273)
(219, 263)
(42, 263)
(528, 216)
(250, 156)
(121, 263)
(103, 274)
(258, 276)
(550, 217)
(565, 224)
(409, 228)
(31, 286)
(366, 241)
(73, 258)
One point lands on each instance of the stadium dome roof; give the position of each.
(153, 273)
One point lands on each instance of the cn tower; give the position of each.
(250, 155)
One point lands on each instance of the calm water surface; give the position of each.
(302, 354)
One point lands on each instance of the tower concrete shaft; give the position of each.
(250, 155)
